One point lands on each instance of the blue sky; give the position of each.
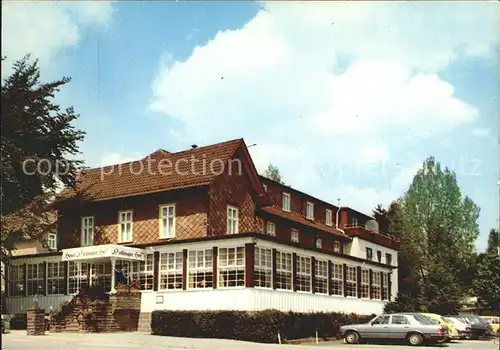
(346, 99)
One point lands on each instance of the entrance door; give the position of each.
(100, 275)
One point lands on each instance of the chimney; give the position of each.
(193, 146)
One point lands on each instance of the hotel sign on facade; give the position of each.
(109, 251)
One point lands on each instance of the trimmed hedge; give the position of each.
(261, 326)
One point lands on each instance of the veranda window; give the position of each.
(303, 273)
(142, 271)
(77, 276)
(385, 288)
(365, 284)
(171, 270)
(263, 267)
(200, 268)
(231, 267)
(55, 278)
(351, 283)
(35, 275)
(16, 280)
(337, 277)
(376, 281)
(284, 271)
(321, 277)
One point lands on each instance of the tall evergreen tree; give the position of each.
(37, 143)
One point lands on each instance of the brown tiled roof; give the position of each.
(301, 220)
(176, 171)
(371, 236)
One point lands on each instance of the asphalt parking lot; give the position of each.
(18, 340)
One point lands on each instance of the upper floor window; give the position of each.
(286, 201)
(328, 217)
(125, 226)
(369, 254)
(310, 211)
(232, 219)
(336, 247)
(271, 229)
(319, 243)
(354, 222)
(87, 234)
(294, 235)
(167, 221)
(52, 241)
(379, 256)
(265, 188)
(388, 259)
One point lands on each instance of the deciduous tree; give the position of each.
(272, 172)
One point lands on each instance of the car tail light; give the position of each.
(442, 330)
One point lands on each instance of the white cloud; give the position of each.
(44, 28)
(116, 158)
(481, 132)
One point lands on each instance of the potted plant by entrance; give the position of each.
(122, 288)
(135, 287)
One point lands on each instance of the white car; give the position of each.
(464, 330)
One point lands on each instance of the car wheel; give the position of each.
(352, 337)
(415, 339)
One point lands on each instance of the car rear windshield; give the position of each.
(424, 320)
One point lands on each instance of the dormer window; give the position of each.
(265, 188)
(354, 222)
(286, 201)
(328, 217)
(87, 234)
(271, 229)
(319, 243)
(336, 247)
(310, 211)
(294, 236)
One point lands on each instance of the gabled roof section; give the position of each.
(160, 171)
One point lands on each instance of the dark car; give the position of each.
(413, 328)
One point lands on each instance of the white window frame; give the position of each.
(227, 265)
(200, 263)
(122, 224)
(376, 290)
(365, 284)
(304, 274)
(55, 278)
(169, 219)
(321, 276)
(294, 235)
(87, 234)
(284, 269)
(52, 241)
(270, 228)
(286, 201)
(170, 269)
(385, 286)
(337, 248)
(263, 268)
(310, 210)
(35, 273)
(319, 243)
(337, 279)
(329, 217)
(232, 213)
(16, 280)
(264, 187)
(142, 271)
(351, 281)
(77, 276)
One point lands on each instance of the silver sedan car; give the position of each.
(414, 328)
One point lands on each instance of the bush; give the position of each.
(261, 326)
